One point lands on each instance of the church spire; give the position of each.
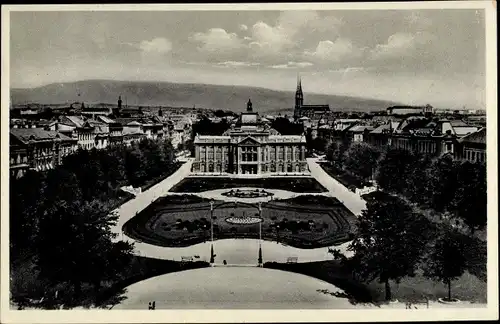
(299, 83)
(299, 96)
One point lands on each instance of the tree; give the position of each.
(390, 242)
(26, 204)
(470, 200)
(219, 113)
(335, 152)
(393, 167)
(83, 250)
(285, 127)
(417, 187)
(361, 159)
(443, 182)
(446, 261)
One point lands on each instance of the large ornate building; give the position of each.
(250, 147)
(311, 111)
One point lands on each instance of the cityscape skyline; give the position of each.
(414, 57)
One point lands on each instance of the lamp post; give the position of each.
(260, 235)
(212, 255)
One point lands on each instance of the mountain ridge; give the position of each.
(162, 93)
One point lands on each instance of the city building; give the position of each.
(434, 137)
(409, 110)
(250, 147)
(472, 147)
(315, 112)
(359, 133)
(37, 149)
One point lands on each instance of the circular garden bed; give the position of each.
(247, 193)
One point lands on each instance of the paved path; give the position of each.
(145, 198)
(247, 288)
(351, 200)
(232, 288)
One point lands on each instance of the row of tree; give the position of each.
(440, 183)
(393, 242)
(62, 219)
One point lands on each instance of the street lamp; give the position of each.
(212, 255)
(260, 235)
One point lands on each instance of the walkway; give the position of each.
(145, 198)
(351, 200)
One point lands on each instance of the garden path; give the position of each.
(351, 200)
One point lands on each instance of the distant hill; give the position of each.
(232, 98)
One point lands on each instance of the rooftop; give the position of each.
(476, 137)
(37, 134)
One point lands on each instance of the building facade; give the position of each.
(472, 147)
(37, 149)
(250, 147)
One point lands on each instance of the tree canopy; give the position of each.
(390, 242)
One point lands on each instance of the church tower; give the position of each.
(119, 102)
(299, 97)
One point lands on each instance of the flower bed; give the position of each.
(247, 193)
(243, 220)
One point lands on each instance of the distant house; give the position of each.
(409, 110)
(358, 133)
(472, 147)
(380, 136)
(131, 112)
(37, 149)
(115, 130)
(342, 124)
(95, 111)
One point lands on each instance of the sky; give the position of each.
(429, 56)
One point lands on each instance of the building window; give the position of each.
(473, 156)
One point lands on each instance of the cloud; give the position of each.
(217, 40)
(291, 28)
(336, 51)
(243, 27)
(291, 65)
(418, 20)
(237, 64)
(401, 44)
(268, 39)
(157, 45)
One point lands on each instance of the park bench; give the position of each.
(187, 259)
(292, 260)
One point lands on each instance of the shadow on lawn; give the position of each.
(30, 291)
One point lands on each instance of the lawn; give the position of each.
(411, 289)
(199, 184)
(322, 222)
(349, 180)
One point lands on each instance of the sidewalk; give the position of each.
(351, 200)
